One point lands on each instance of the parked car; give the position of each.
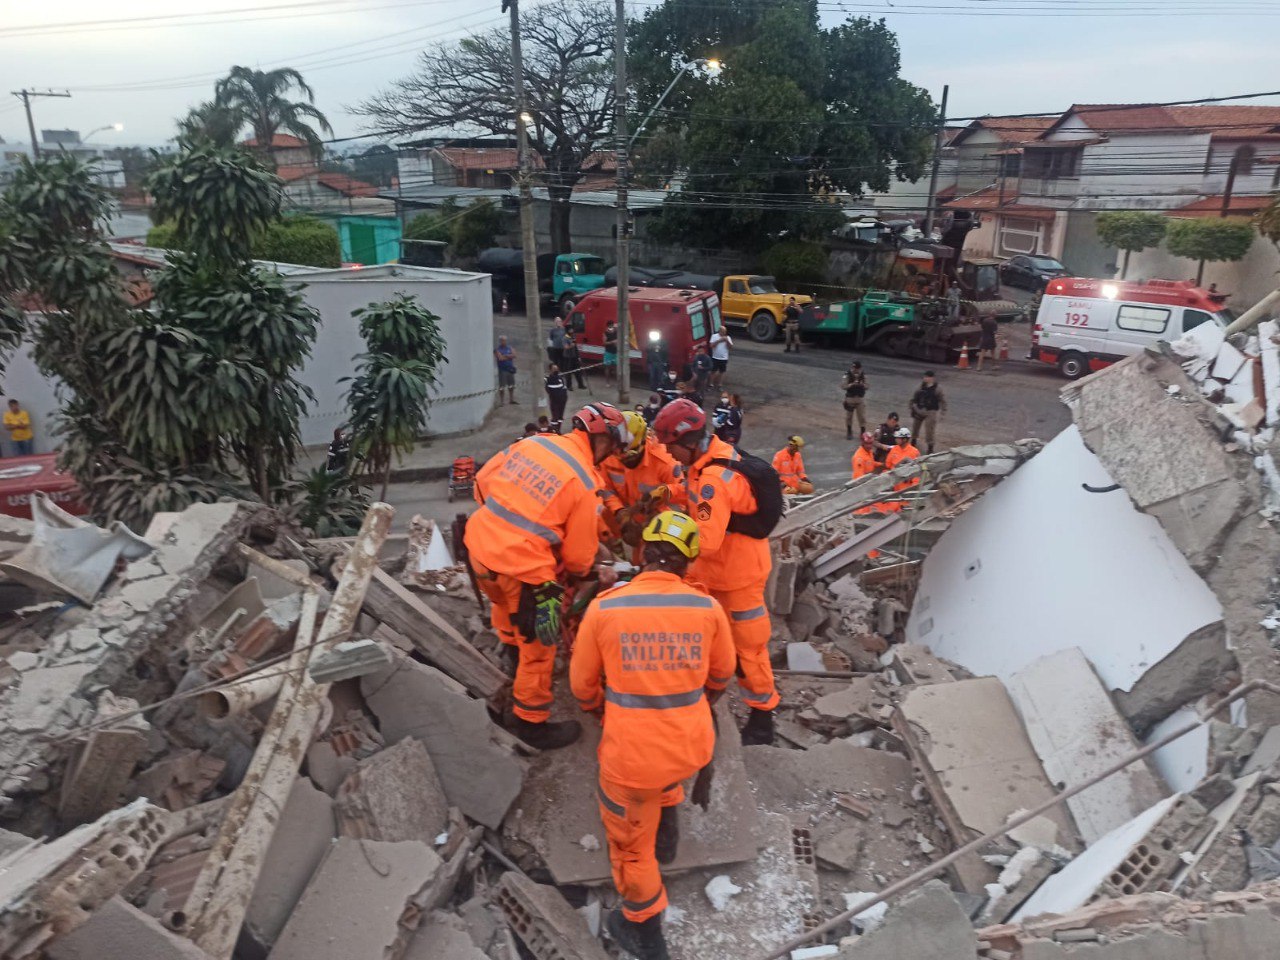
(1030, 273)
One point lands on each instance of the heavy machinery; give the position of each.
(563, 278)
(897, 325)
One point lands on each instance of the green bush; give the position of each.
(1215, 239)
(301, 240)
(427, 226)
(796, 264)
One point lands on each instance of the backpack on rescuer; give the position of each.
(766, 487)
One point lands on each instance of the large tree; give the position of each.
(1209, 239)
(568, 75)
(260, 100)
(799, 116)
(1131, 231)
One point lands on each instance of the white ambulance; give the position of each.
(1084, 325)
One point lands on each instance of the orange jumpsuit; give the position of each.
(790, 467)
(538, 510)
(624, 486)
(865, 464)
(734, 566)
(891, 460)
(646, 651)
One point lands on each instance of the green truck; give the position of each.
(895, 324)
(562, 278)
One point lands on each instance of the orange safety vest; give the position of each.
(624, 486)
(864, 462)
(790, 467)
(895, 457)
(538, 508)
(726, 561)
(647, 650)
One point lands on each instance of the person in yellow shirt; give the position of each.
(18, 422)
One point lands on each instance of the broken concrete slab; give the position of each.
(120, 931)
(559, 806)
(100, 767)
(54, 888)
(545, 922)
(859, 704)
(354, 905)
(1078, 733)
(480, 774)
(928, 922)
(394, 795)
(1187, 673)
(778, 889)
(349, 659)
(1266, 754)
(442, 936)
(303, 837)
(326, 768)
(915, 664)
(804, 657)
(42, 693)
(979, 765)
(180, 780)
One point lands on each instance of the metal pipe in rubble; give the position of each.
(935, 868)
(242, 695)
(1250, 317)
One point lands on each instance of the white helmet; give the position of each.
(902, 433)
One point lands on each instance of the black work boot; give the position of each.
(758, 731)
(546, 736)
(668, 841)
(641, 940)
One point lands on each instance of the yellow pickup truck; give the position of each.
(756, 302)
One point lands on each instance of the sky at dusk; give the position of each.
(999, 56)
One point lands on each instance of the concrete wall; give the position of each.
(461, 300)
(1082, 251)
(1248, 280)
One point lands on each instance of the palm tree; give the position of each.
(259, 99)
(211, 123)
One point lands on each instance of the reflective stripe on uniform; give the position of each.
(724, 679)
(653, 701)
(755, 613)
(637, 907)
(618, 478)
(524, 523)
(617, 809)
(573, 464)
(656, 600)
(750, 697)
(537, 707)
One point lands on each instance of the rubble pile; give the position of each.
(1031, 716)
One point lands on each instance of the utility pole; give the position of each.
(624, 217)
(937, 158)
(528, 239)
(26, 95)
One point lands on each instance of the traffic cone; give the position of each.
(1004, 349)
(963, 362)
(505, 309)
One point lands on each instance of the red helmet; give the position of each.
(601, 417)
(868, 438)
(677, 419)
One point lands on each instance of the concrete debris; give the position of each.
(979, 765)
(352, 658)
(545, 922)
(914, 664)
(120, 931)
(443, 936)
(720, 890)
(393, 795)
(99, 768)
(326, 768)
(925, 923)
(180, 781)
(803, 657)
(481, 774)
(56, 887)
(361, 903)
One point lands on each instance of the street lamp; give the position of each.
(117, 127)
(713, 67)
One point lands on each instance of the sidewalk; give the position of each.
(432, 458)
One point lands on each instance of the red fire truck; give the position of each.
(1085, 324)
(682, 318)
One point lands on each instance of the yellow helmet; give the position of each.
(637, 431)
(675, 528)
(796, 439)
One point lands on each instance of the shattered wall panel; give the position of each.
(1040, 564)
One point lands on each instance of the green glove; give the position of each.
(548, 601)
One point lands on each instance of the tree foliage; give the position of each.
(303, 240)
(389, 398)
(466, 231)
(568, 66)
(260, 100)
(1268, 220)
(799, 115)
(1213, 239)
(209, 124)
(797, 265)
(1131, 231)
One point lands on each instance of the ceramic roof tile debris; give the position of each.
(1036, 615)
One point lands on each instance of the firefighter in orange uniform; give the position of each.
(638, 483)
(654, 654)
(734, 566)
(903, 450)
(537, 524)
(864, 458)
(790, 466)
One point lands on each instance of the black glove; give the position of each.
(548, 603)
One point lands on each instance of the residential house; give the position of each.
(109, 173)
(1049, 185)
(366, 223)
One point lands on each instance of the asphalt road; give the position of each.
(800, 393)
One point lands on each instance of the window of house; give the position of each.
(1193, 318)
(1244, 160)
(1142, 319)
(1010, 164)
(1019, 235)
